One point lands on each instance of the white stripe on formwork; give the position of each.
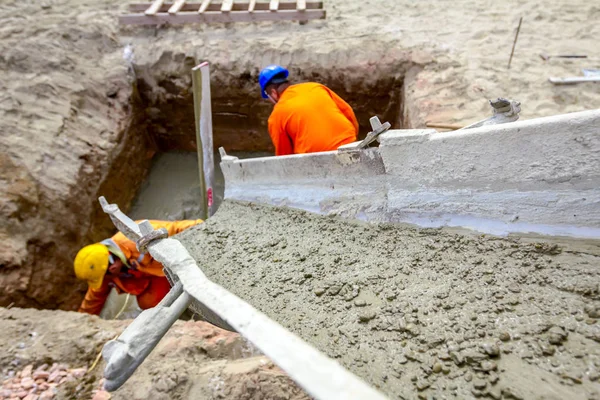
(319, 375)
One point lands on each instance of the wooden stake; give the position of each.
(515, 42)
(251, 5)
(301, 5)
(444, 126)
(176, 7)
(274, 5)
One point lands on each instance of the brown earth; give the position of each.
(72, 125)
(195, 360)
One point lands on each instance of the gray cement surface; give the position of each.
(418, 313)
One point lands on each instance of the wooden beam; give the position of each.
(154, 7)
(273, 5)
(444, 126)
(574, 79)
(208, 17)
(301, 5)
(242, 5)
(251, 5)
(203, 6)
(226, 6)
(176, 7)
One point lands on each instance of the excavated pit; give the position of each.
(240, 117)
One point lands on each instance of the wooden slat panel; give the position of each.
(203, 6)
(251, 5)
(237, 6)
(226, 6)
(154, 7)
(207, 17)
(301, 5)
(274, 5)
(176, 6)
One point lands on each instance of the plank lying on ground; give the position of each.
(216, 6)
(444, 126)
(204, 6)
(176, 6)
(273, 5)
(226, 6)
(154, 7)
(187, 18)
(251, 5)
(574, 79)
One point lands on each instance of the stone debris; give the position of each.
(40, 383)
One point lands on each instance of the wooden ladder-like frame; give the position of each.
(161, 12)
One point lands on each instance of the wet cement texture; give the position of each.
(418, 313)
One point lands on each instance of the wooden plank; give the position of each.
(154, 7)
(237, 6)
(226, 6)
(208, 17)
(301, 5)
(251, 5)
(203, 6)
(574, 79)
(176, 7)
(273, 5)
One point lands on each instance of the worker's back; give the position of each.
(309, 118)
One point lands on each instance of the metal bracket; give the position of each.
(144, 241)
(377, 129)
(505, 111)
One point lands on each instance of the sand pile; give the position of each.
(417, 312)
(46, 355)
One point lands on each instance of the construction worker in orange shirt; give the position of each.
(116, 263)
(307, 117)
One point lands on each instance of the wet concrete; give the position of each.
(172, 189)
(418, 313)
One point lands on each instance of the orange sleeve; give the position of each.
(281, 140)
(344, 108)
(94, 299)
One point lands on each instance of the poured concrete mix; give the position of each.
(417, 312)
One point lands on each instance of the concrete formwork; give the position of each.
(540, 176)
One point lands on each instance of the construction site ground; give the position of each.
(429, 312)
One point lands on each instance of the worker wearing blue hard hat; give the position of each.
(307, 117)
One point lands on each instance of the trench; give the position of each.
(163, 177)
(171, 188)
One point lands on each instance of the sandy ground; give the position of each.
(69, 121)
(194, 360)
(417, 312)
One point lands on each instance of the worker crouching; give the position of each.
(116, 263)
(307, 117)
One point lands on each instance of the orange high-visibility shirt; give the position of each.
(141, 278)
(310, 117)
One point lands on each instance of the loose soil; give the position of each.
(194, 360)
(425, 313)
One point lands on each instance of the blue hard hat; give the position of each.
(267, 75)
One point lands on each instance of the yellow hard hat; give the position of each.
(91, 264)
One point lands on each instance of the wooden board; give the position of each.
(208, 17)
(204, 6)
(237, 6)
(174, 9)
(226, 6)
(301, 5)
(574, 79)
(154, 7)
(251, 5)
(273, 5)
